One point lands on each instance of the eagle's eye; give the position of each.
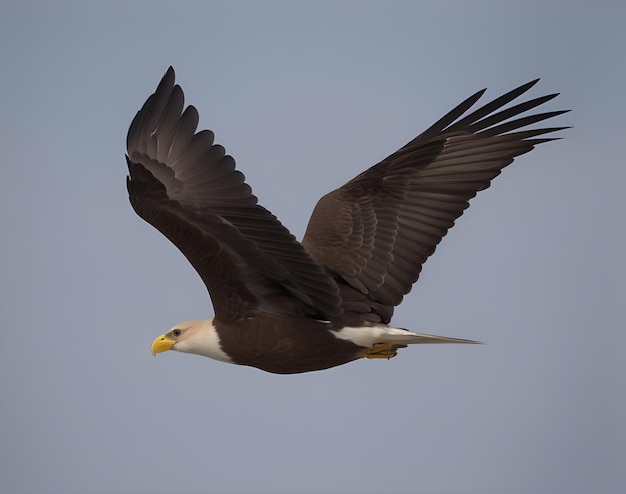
(176, 332)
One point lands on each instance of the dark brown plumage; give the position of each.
(365, 243)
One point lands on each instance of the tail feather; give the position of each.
(399, 336)
(368, 336)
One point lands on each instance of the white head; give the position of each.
(199, 337)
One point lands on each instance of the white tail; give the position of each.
(368, 336)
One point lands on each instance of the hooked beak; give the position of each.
(162, 344)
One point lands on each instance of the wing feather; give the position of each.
(188, 188)
(375, 232)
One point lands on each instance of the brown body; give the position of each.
(285, 345)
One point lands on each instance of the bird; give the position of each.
(286, 306)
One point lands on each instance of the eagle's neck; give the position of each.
(201, 338)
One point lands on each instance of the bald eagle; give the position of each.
(285, 306)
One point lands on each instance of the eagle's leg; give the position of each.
(381, 350)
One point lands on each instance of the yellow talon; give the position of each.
(381, 350)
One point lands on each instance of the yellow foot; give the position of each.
(381, 350)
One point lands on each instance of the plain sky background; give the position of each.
(305, 95)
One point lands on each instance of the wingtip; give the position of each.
(479, 94)
(532, 83)
(168, 78)
(518, 91)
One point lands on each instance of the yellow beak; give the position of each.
(162, 344)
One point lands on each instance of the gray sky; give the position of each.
(310, 94)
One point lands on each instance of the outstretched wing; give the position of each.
(188, 188)
(375, 232)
